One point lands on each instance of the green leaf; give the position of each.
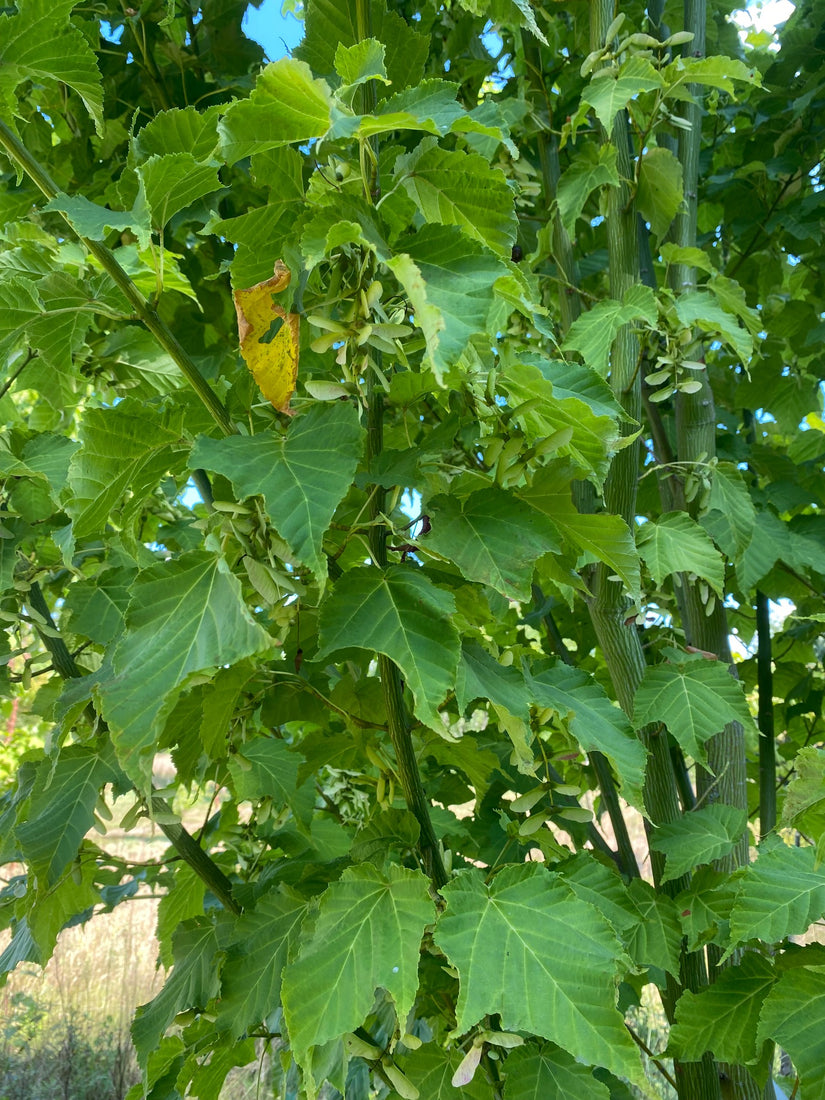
(723, 1018)
(97, 608)
(401, 614)
(704, 908)
(691, 257)
(19, 308)
(126, 448)
(677, 544)
(178, 130)
(713, 72)
(265, 767)
(193, 982)
(361, 62)
(430, 106)
(533, 973)
(581, 382)
(611, 89)
(695, 699)
(264, 938)
(730, 517)
(493, 537)
(174, 181)
(659, 193)
(431, 1070)
(186, 616)
(792, 1016)
(593, 437)
(593, 333)
(287, 105)
(606, 537)
(781, 894)
(702, 836)
(61, 810)
(368, 933)
(345, 220)
(39, 43)
(594, 721)
(449, 281)
(70, 901)
(302, 476)
(549, 1073)
(656, 938)
(59, 333)
(95, 222)
(455, 188)
(480, 676)
(770, 542)
(182, 902)
(593, 166)
(702, 309)
(330, 23)
(804, 806)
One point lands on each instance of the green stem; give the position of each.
(182, 841)
(397, 720)
(20, 155)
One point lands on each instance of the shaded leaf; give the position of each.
(193, 982)
(594, 721)
(186, 616)
(550, 1073)
(263, 939)
(702, 836)
(730, 517)
(659, 194)
(493, 537)
(401, 614)
(455, 188)
(302, 476)
(39, 43)
(675, 543)
(265, 767)
(330, 23)
(61, 810)
(593, 166)
(724, 1017)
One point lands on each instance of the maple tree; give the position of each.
(524, 427)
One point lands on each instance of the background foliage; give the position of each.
(428, 588)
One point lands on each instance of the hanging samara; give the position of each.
(269, 337)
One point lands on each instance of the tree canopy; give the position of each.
(398, 435)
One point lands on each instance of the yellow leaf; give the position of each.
(269, 338)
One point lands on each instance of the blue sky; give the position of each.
(277, 33)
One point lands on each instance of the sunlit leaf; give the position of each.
(531, 973)
(368, 933)
(695, 699)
